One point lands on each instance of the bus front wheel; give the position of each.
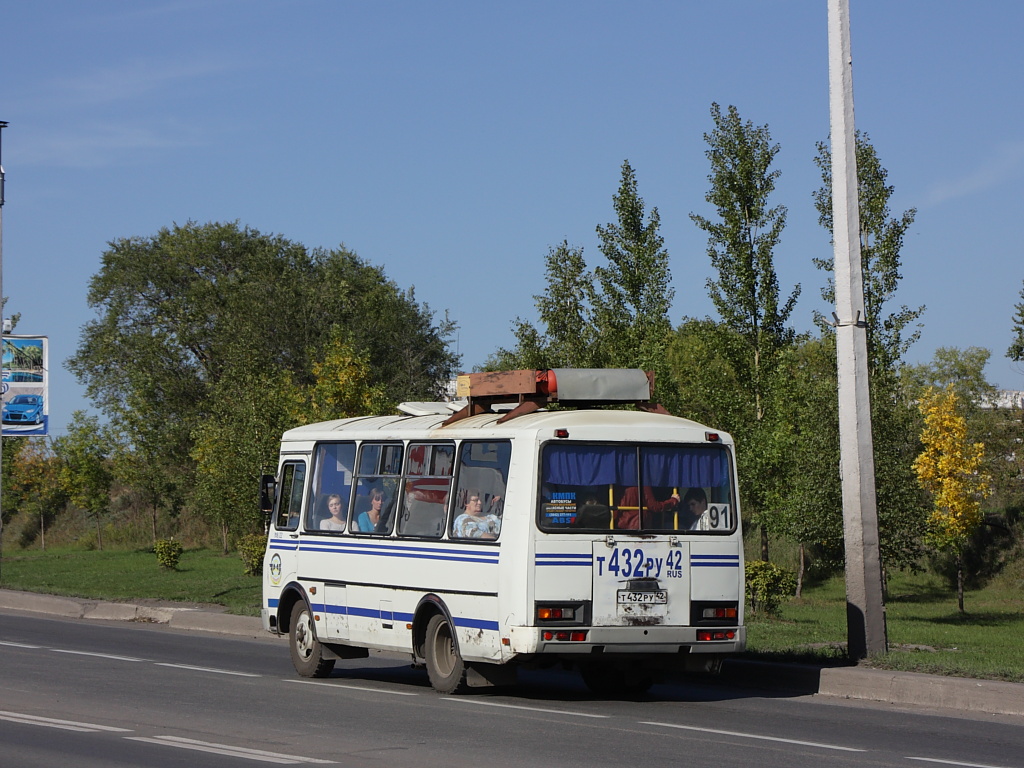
(445, 667)
(307, 652)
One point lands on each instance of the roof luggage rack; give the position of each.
(531, 390)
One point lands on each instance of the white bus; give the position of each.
(489, 539)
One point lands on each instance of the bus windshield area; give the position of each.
(590, 487)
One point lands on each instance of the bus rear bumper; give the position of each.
(634, 641)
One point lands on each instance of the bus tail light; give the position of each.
(714, 613)
(705, 635)
(719, 613)
(556, 614)
(565, 635)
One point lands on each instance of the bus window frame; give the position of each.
(309, 523)
(455, 506)
(645, 531)
(291, 522)
(407, 478)
(392, 500)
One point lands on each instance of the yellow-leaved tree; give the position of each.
(949, 469)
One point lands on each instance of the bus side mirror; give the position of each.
(268, 488)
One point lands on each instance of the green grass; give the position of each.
(926, 632)
(202, 576)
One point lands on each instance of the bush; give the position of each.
(168, 552)
(767, 584)
(251, 548)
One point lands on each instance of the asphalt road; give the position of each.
(87, 694)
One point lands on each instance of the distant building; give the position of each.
(1005, 399)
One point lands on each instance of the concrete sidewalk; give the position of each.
(900, 688)
(197, 618)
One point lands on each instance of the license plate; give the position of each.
(626, 597)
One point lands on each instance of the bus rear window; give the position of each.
(651, 488)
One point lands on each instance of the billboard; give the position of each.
(26, 401)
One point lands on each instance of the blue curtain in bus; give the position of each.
(685, 468)
(616, 465)
(589, 465)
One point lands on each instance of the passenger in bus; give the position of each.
(592, 514)
(628, 513)
(336, 522)
(696, 503)
(368, 520)
(473, 523)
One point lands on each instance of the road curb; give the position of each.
(913, 688)
(882, 685)
(192, 619)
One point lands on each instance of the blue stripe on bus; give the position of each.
(564, 559)
(475, 623)
(391, 616)
(714, 561)
(588, 563)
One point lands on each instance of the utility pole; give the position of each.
(865, 610)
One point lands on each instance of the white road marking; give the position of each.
(67, 725)
(99, 655)
(528, 709)
(227, 749)
(754, 736)
(19, 645)
(207, 669)
(351, 687)
(953, 762)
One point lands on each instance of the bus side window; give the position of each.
(332, 483)
(376, 488)
(289, 496)
(428, 482)
(480, 494)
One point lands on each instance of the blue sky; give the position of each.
(455, 142)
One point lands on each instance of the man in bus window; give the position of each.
(695, 503)
(473, 523)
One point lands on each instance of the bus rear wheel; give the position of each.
(307, 652)
(445, 667)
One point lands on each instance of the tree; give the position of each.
(961, 369)
(881, 239)
(1016, 350)
(188, 313)
(343, 384)
(741, 245)
(998, 428)
(566, 314)
(84, 467)
(406, 348)
(949, 469)
(32, 488)
(701, 355)
(634, 296)
(615, 316)
(238, 443)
